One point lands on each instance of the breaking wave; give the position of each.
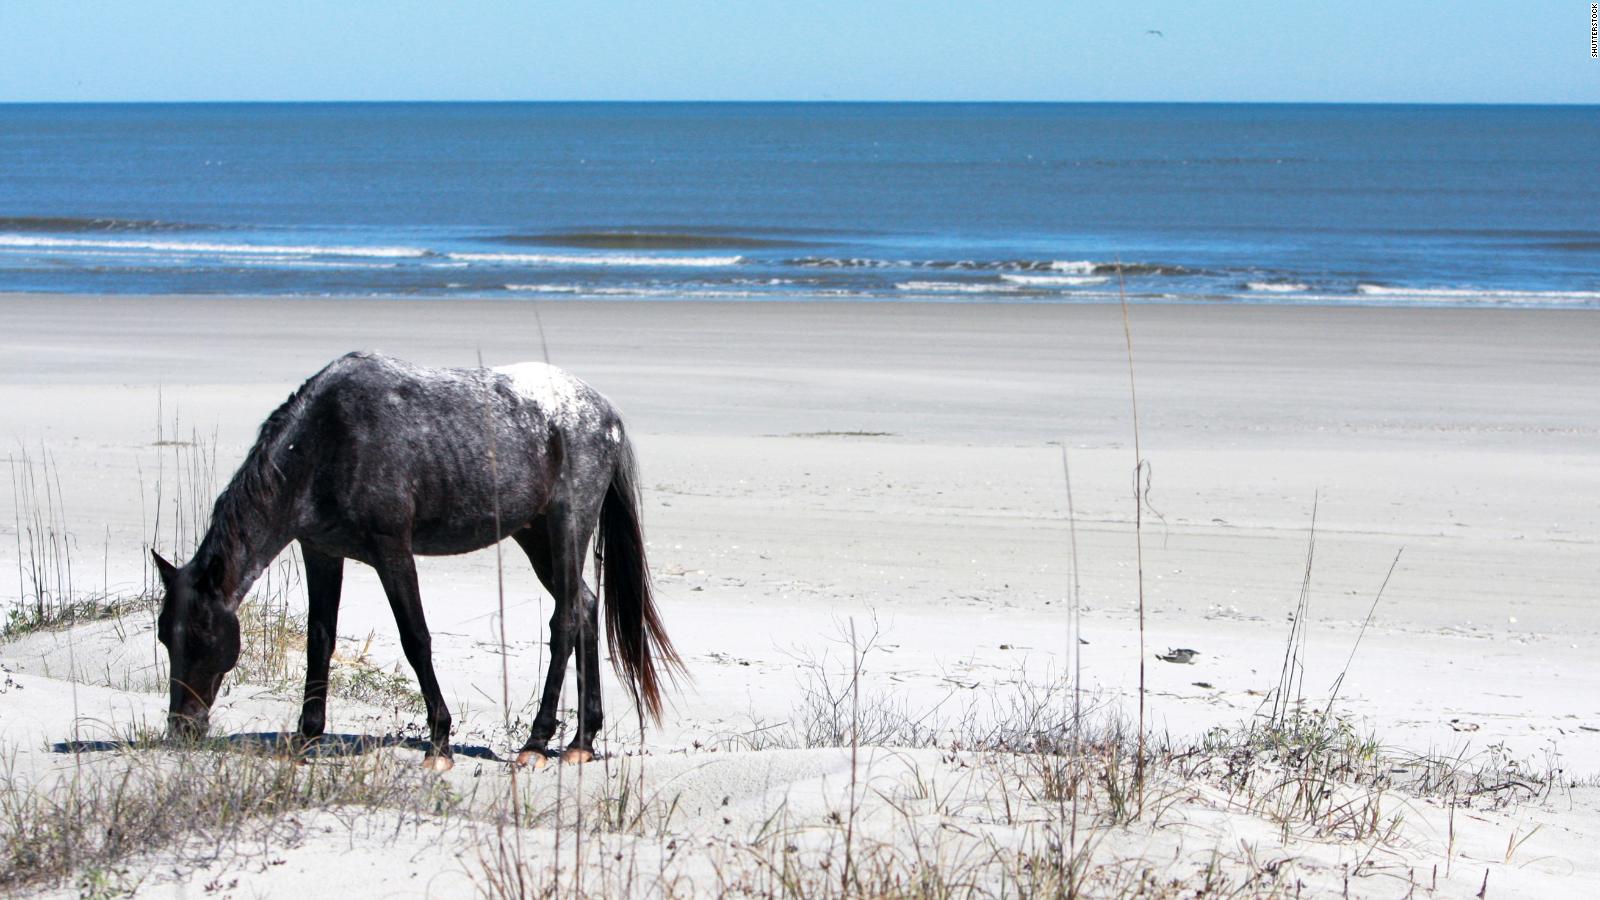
(71, 224)
(955, 287)
(546, 288)
(647, 240)
(1054, 280)
(1071, 266)
(1486, 295)
(677, 293)
(557, 259)
(192, 247)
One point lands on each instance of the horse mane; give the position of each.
(256, 485)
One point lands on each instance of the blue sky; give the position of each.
(1518, 51)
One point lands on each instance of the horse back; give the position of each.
(456, 458)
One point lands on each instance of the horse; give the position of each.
(376, 459)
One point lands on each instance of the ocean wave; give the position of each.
(308, 250)
(647, 240)
(1072, 266)
(1487, 295)
(1275, 287)
(685, 292)
(847, 262)
(956, 287)
(308, 263)
(548, 259)
(1142, 269)
(546, 288)
(1054, 280)
(1081, 266)
(73, 224)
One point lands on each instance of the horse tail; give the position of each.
(640, 650)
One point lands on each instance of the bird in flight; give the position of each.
(1154, 32)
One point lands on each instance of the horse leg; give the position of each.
(397, 570)
(324, 579)
(561, 573)
(583, 609)
(591, 714)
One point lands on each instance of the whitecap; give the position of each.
(52, 243)
(1081, 266)
(1484, 295)
(561, 259)
(1053, 280)
(545, 288)
(954, 287)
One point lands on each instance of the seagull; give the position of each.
(1155, 32)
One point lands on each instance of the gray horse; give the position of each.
(375, 459)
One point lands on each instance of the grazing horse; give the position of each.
(375, 459)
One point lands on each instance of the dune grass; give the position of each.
(192, 805)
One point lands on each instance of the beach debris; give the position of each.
(1181, 655)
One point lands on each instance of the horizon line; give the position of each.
(794, 102)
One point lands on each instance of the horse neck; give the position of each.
(246, 534)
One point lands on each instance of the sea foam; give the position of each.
(1054, 280)
(1485, 295)
(955, 287)
(1081, 266)
(561, 259)
(22, 241)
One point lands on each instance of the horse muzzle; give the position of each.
(188, 727)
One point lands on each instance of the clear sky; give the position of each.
(1518, 51)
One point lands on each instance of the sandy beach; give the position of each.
(807, 466)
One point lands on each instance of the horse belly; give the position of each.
(459, 537)
(466, 523)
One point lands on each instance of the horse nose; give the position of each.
(187, 728)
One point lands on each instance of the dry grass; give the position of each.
(191, 805)
(978, 809)
(51, 589)
(356, 677)
(1028, 775)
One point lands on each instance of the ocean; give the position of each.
(1030, 203)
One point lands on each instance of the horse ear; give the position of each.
(166, 570)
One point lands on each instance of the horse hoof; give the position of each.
(438, 763)
(577, 755)
(536, 757)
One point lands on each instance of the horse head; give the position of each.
(201, 634)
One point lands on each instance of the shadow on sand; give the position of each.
(329, 746)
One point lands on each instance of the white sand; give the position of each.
(808, 464)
